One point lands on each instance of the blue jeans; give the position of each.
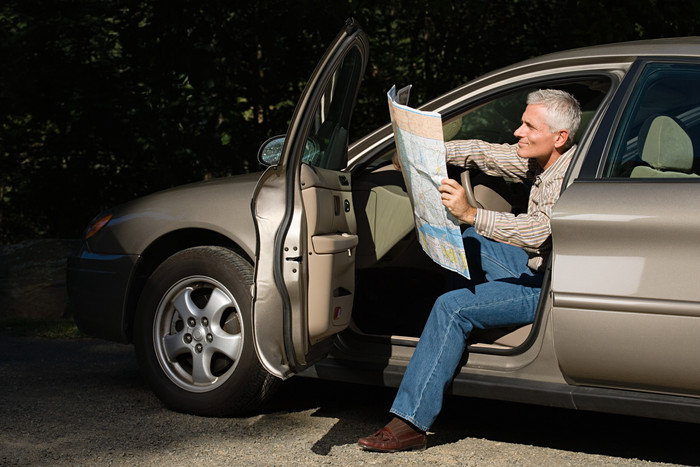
(503, 292)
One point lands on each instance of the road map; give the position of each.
(421, 148)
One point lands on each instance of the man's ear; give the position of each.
(561, 139)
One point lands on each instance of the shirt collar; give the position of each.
(559, 167)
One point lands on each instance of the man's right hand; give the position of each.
(454, 198)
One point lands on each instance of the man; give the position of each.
(506, 254)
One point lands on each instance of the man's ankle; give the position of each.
(398, 426)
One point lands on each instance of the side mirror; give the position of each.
(271, 150)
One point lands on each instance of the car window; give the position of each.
(659, 132)
(327, 141)
(495, 121)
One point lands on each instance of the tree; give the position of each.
(102, 101)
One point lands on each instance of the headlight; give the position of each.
(96, 225)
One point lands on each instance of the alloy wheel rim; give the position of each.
(198, 334)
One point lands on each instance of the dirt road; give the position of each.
(83, 402)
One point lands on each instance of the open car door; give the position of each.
(305, 222)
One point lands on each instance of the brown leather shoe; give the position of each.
(385, 441)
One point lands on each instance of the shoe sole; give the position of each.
(418, 447)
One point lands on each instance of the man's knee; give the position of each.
(451, 303)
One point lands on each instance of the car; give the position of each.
(228, 286)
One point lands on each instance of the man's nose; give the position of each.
(518, 132)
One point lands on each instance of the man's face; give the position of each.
(535, 139)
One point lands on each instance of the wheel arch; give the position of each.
(163, 248)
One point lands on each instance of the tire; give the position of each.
(193, 335)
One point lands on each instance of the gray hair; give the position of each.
(563, 110)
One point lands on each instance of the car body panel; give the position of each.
(100, 281)
(204, 205)
(622, 315)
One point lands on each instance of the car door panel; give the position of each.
(624, 270)
(305, 225)
(332, 239)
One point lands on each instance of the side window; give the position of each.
(496, 120)
(659, 133)
(326, 145)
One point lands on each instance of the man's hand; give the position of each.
(454, 198)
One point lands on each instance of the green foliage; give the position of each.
(61, 328)
(102, 101)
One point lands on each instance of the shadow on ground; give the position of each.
(65, 400)
(361, 410)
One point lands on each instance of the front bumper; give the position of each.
(98, 288)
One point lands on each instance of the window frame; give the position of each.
(594, 165)
(624, 145)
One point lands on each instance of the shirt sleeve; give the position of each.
(528, 230)
(500, 160)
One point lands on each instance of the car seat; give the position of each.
(666, 150)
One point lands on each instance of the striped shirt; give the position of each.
(532, 230)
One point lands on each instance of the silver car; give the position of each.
(228, 286)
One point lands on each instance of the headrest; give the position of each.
(665, 144)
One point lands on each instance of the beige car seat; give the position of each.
(666, 148)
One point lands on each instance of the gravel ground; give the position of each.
(83, 402)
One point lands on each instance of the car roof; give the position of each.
(671, 47)
(620, 52)
(605, 53)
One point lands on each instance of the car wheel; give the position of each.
(194, 337)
